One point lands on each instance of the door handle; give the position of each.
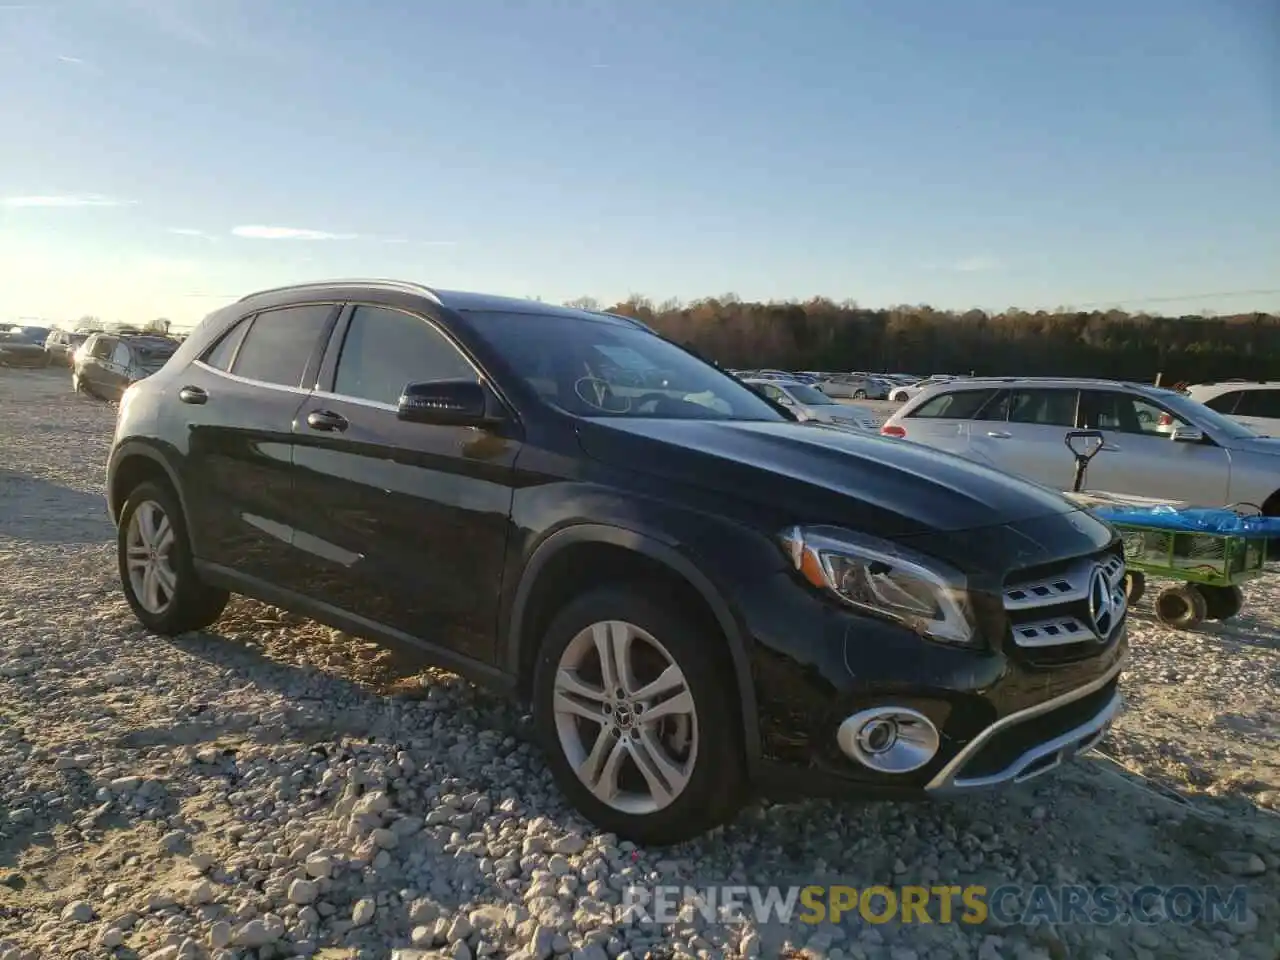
(190, 394)
(326, 420)
(999, 435)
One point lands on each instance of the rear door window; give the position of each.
(1259, 403)
(1224, 402)
(280, 343)
(1043, 407)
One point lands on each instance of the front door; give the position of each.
(1139, 457)
(406, 523)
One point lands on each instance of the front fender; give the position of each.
(658, 548)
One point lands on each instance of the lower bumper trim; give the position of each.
(1038, 758)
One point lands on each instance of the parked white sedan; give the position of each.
(1158, 443)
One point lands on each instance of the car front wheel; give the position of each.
(641, 728)
(156, 569)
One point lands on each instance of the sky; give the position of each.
(163, 157)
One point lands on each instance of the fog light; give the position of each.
(889, 739)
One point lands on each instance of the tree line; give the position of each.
(820, 334)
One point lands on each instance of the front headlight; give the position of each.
(886, 580)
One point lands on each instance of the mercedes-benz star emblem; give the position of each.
(1101, 606)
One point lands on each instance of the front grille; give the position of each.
(1053, 610)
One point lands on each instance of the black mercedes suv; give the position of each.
(695, 594)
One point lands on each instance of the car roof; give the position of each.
(461, 301)
(1224, 385)
(1066, 383)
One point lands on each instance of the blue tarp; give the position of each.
(1193, 520)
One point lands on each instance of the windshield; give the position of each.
(1198, 413)
(603, 368)
(809, 396)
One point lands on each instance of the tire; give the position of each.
(1135, 585)
(1222, 603)
(182, 602)
(859, 394)
(704, 745)
(1182, 607)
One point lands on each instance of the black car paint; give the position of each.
(434, 538)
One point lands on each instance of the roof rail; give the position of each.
(406, 285)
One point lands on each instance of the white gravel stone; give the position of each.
(363, 913)
(303, 892)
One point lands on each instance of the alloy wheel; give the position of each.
(625, 717)
(149, 547)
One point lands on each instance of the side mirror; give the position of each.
(457, 403)
(1183, 434)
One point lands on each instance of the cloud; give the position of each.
(288, 233)
(188, 232)
(73, 60)
(976, 264)
(55, 200)
(299, 233)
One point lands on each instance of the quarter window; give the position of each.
(102, 347)
(384, 350)
(961, 405)
(121, 356)
(224, 351)
(280, 342)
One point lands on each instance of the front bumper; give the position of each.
(1033, 741)
(1003, 714)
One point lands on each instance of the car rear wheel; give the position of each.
(638, 717)
(156, 569)
(859, 394)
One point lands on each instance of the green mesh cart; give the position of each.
(1211, 552)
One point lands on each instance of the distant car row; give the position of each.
(857, 385)
(35, 346)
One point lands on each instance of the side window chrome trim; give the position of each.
(358, 401)
(300, 391)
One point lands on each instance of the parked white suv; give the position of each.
(1254, 403)
(1158, 443)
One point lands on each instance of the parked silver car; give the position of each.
(856, 386)
(810, 403)
(1158, 443)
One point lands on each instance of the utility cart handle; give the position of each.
(1077, 442)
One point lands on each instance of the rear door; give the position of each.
(406, 523)
(238, 402)
(1140, 458)
(1023, 432)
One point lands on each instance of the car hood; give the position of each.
(880, 486)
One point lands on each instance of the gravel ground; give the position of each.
(274, 788)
